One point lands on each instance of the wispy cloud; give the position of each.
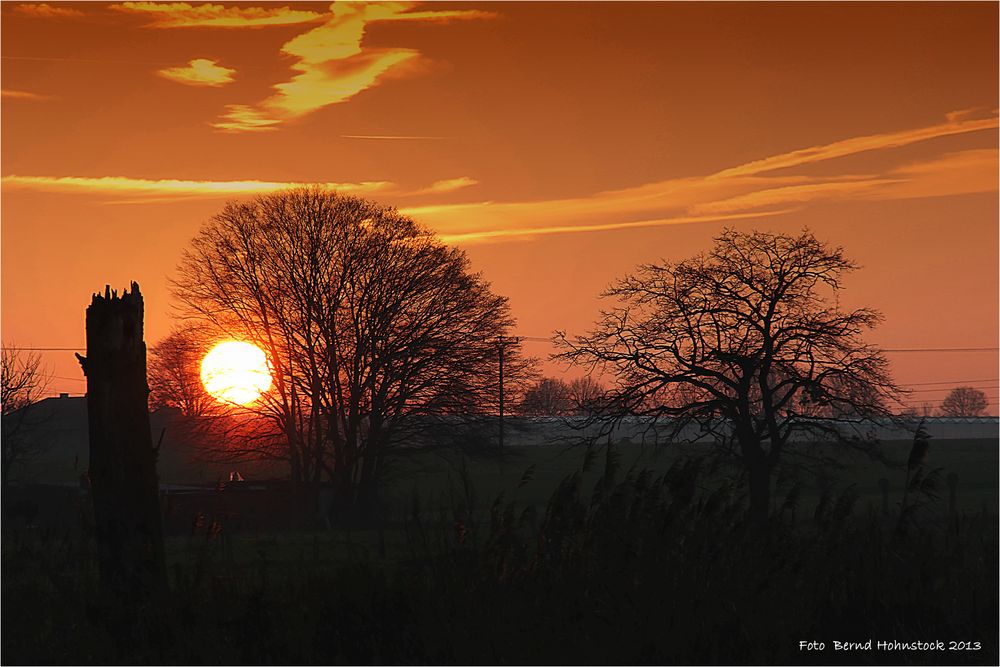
(44, 10)
(330, 63)
(184, 15)
(332, 66)
(153, 190)
(806, 192)
(752, 188)
(245, 118)
(447, 185)
(124, 184)
(386, 137)
(24, 95)
(735, 193)
(955, 123)
(959, 173)
(531, 232)
(199, 72)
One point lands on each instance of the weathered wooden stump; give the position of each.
(123, 478)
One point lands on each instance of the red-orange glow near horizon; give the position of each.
(559, 144)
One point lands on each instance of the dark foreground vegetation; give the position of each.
(617, 566)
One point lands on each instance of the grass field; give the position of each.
(548, 555)
(527, 475)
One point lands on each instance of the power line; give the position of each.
(542, 339)
(954, 382)
(991, 397)
(917, 391)
(942, 349)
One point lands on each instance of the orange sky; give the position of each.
(560, 144)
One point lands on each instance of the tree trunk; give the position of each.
(760, 493)
(343, 487)
(367, 499)
(123, 478)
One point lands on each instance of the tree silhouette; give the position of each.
(552, 397)
(174, 377)
(586, 395)
(964, 402)
(209, 430)
(549, 397)
(745, 342)
(22, 384)
(371, 325)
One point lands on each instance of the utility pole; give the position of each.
(502, 343)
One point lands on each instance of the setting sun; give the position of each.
(235, 372)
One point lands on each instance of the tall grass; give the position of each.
(635, 569)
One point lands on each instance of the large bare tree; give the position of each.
(371, 325)
(746, 341)
(964, 402)
(23, 382)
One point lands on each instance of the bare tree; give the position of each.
(549, 397)
(964, 402)
(552, 397)
(208, 429)
(174, 380)
(22, 383)
(915, 412)
(372, 326)
(586, 395)
(746, 342)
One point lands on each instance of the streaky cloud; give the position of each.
(530, 232)
(126, 184)
(806, 192)
(184, 15)
(958, 173)
(742, 189)
(447, 185)
(199, 72)
(24, 95)
(244, 118)
(145, 190)
(45, 10)
(954, 124)
(952, 174)
(390, 137)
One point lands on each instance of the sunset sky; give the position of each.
(559, 144)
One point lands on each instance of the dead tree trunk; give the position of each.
(123, 479)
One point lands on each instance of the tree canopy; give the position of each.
(371, 325)
(964, 402)
(746, 341)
